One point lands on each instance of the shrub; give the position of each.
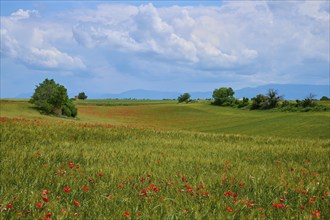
(185, 97)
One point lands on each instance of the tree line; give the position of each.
(224, 96)
(52, 98)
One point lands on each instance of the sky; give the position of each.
(103, 47)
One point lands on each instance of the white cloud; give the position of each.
(251, 40)
(52, 58)
(24, 14)
(33, 42)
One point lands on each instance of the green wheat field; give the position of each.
(136, 159)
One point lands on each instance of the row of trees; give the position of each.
(224, 96)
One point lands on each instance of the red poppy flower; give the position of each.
(317, 213)
(280, 206)
(151, 186)
(282, 200)
(45, 199)
(85, 188)
(127, 214)
(76, 203)
(66, 189)
(49, 214)
(45, 192)
(241, 184)
(229, 209)
(100, 174)
(139, 213)
(302, 207)
(39, 205)
(304, 192)
(310, 201)
(9, 206)
(70, 165)
(144, 192)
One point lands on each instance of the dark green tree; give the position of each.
(324, 98)
(185, 97)
(223, 96)
(82, 96)
(52, 98)
(272, 98)
(309, 101)
(259, 102)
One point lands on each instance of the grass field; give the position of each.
(162, 160)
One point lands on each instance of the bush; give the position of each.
(69, 109)
(185, 97)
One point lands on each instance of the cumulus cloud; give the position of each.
(32, 42)
(24, 14)
(240, 39)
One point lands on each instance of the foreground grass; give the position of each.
(67, 170)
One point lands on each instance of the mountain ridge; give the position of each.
(289, 92)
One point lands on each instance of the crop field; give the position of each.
(162, 160)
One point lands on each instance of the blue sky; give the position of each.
(112, 46)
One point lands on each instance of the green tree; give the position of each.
(82, 96)
(324, 98)
(223, 96)
(309, 101)
(272, 98)
(259, 102)
(185, 97)
(52, 98)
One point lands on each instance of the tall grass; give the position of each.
(123, 172)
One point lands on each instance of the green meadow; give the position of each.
(140, 159)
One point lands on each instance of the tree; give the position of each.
(268, 101)
(223, 96)
(185, 97)
(324, 98)
(273, 98)
(259, 102)
(309, 101)
(82, 96)
(52, 98)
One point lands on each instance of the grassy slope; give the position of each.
(199, 117)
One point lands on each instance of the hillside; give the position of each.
(198, 117)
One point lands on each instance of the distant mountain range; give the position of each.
(289, 91)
